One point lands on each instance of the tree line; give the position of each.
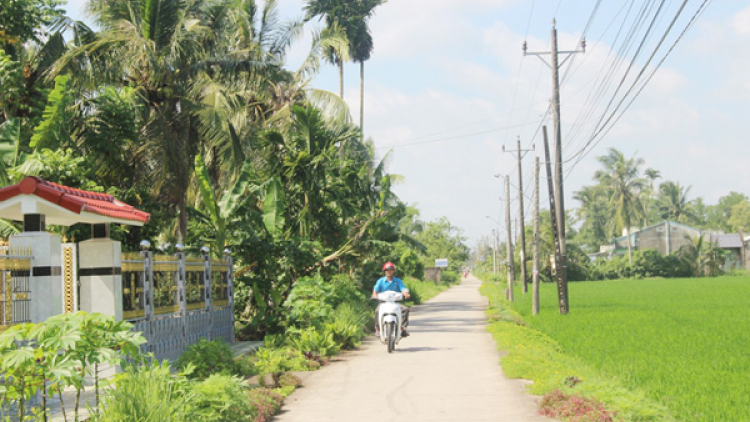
(626, 195)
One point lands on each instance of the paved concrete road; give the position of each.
(446, 371)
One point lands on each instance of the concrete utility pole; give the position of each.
(535, 270)
(521, 220)
(559, 193)
(508, 240)
(562, 282)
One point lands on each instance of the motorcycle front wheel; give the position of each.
(390, 333)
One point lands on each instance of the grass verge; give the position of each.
(534, 356)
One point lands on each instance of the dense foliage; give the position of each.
(187, 111)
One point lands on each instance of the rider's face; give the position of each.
(389, 272)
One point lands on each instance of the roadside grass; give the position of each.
(535, 356)
(682, 342)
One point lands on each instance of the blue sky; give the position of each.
(448, 86)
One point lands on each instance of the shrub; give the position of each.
(410, 264)
(245, 365)
(208, 357)
(147, 394)
(220, 398)
(264, 403)
(275, 362)
(448, 277)
(307, 304)
(312, 340)
(347, 324)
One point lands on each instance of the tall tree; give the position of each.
(622, 181)
(674, 203)
(652, 175)
(361, 45)
(338, 16)
(596, 228)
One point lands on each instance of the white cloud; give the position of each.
(741, 21)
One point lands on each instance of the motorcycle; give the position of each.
(389, 316)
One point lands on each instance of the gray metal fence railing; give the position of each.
(177, 300)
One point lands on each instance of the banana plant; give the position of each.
(247, 187)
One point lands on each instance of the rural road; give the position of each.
(446, 371)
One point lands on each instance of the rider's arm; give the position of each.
(404, 290)
(375, 290)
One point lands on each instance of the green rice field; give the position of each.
(685, 342)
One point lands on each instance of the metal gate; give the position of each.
(15, 285)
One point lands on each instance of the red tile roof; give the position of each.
(75, 200)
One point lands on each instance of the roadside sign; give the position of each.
(441, 263)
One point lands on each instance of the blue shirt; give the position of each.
(383, 285)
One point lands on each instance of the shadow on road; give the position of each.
(421, 349)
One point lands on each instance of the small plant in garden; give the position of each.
(312, 340)
(147, 393)
(275, 362)
(347, 325)
(58, 353)
(208, 357)
(221, 398)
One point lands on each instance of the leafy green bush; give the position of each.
(448, 277)
(312, 300)
(348, 323)
(646, 264)
(313, 341)
(275, 362)
(220, 398)
(147, 393)
(207, 358)
(410, 264)
(245, 365)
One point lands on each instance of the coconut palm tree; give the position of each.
(623, 184)
(350, 16)
(652, 175)
(361, 45)
(674, 203)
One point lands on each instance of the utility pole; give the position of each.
(558, 193)
(562, 282)
(522, 240)
(535, 270)
(508, 240)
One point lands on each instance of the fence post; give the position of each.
(206, 252)
(182, 289)
(148, 287)
(230, 291)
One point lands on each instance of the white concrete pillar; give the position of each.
(45, 286)
(100, 273)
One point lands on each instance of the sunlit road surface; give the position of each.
(447, 370)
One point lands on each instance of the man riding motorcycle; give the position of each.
(391, 283)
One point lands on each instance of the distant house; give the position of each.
(666, 237)
(734, 247)
(669, 236)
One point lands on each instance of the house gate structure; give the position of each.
(173, 300)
